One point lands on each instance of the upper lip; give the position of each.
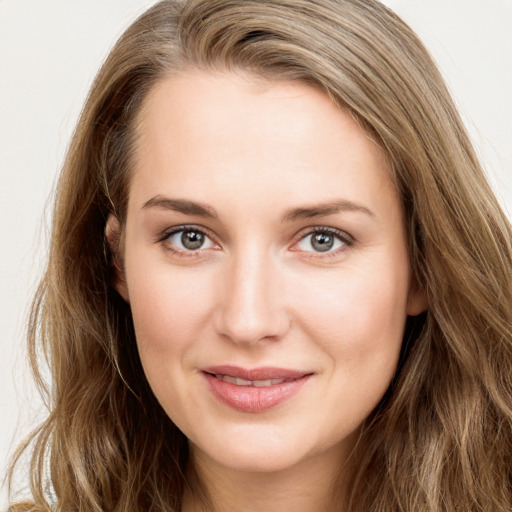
(262, 373)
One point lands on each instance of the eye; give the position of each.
(324, 240)
(188, 240)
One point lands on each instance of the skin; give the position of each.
(258, 292)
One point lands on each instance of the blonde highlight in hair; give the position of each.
(441, 439)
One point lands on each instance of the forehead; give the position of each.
(204, 130)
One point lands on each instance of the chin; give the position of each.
(255, 450)
(255, 460)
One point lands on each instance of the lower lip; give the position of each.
(251, 398)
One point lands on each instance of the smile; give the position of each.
(244, 382)
(254, 390)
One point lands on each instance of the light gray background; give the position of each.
(49, 54)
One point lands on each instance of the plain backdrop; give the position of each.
(49, 53)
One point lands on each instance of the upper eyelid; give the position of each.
(186, 227)
(164, 237)
(343, 235)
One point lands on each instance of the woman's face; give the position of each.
(266, 265)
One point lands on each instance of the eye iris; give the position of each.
(322, 242)
(192, 240)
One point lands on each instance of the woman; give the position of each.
(278, 279)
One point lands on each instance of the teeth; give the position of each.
(268, 382)
(227, 378)
(244, 382)
(262, 383)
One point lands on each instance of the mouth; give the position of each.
(254, 390)
(255, 383)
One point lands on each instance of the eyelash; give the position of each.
(178, 229)
(346, 239)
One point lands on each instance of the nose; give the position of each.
(251, 304)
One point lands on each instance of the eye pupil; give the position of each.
(322, 242)
(192, 240)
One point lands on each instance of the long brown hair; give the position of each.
(441, 440)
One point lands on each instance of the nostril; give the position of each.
(251, 327)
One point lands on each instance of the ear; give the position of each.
(113, 235)
(417, 300)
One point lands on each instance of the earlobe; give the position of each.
(113, 236)
(417, 301)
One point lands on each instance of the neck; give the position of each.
(311, 485)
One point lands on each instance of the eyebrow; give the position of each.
(181, 205)
(188, 207)
(324, 209)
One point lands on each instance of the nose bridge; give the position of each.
(250, 309)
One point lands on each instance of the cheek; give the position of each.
(170, 311)
(358, 316)
(359, 326)
(169, 308)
